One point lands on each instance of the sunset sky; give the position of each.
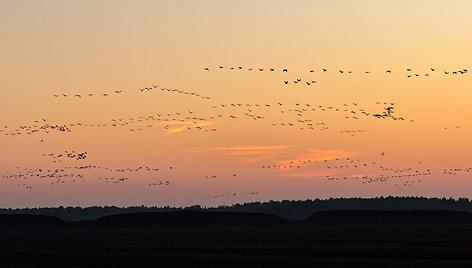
(237, 145)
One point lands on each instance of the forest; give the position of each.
(288, 209)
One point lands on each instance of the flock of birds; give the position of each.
(120, 92)
(455, 171)
(70, 155)
(234, 194)
(323, 69)
(300, 116)
(72, 174)
(402, 177)
(409, 72)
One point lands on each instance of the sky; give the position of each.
(220, 136)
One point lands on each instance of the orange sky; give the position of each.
(252, 125)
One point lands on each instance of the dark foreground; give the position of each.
(333, 239)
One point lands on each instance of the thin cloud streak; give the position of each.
(186, 126)
(241, 150)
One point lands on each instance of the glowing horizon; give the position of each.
(177, 85)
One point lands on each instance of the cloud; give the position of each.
(277, 153)
(248, 153)
(253, 148)
(184, 125)
(357, 175)
(308, 174)
(317, 155)
(245, 153)
(242, 150)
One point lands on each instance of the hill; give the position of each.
(187, 218)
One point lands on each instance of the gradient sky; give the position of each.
(82, 47)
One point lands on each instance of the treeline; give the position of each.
(290, 209)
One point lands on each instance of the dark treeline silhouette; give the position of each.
(289, 209)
